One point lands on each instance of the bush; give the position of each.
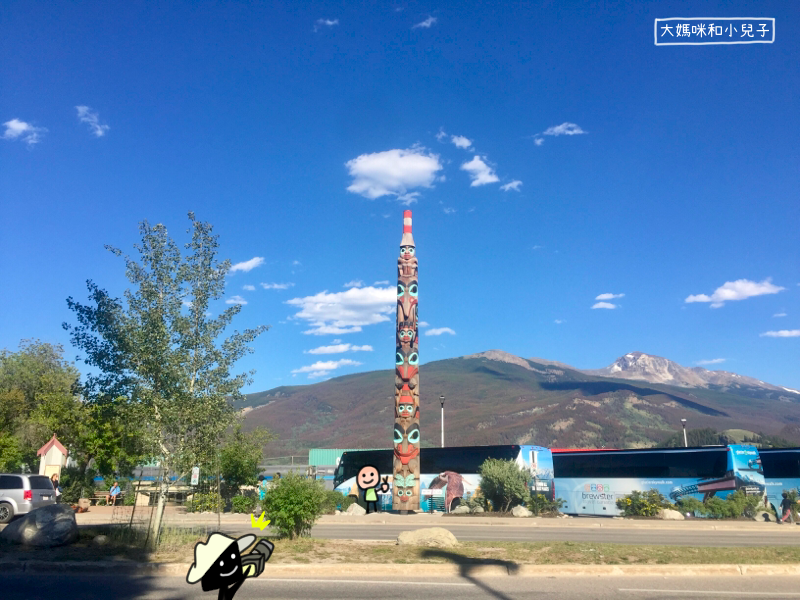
(293, 505)
(477, 500)
(643, 504)
(76, 484)
(540, 504)
(735, 505)
(243, 504)
(129, 499)
(690, 504)
(503, 483)
(203, 502)
(336, 500)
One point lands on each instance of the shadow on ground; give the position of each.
(468, 568)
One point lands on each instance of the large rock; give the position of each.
(668, 514)
(521, 511)
(461, 509)
(438, 537)
(356, 509)
(48, 526)
(477, 509)
(763, 516)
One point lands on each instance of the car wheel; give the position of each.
(6, 513)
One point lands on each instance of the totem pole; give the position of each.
(406, 399)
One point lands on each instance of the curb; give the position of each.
(358, 570)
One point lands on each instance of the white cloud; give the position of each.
(513, 185)
(384, 282)
(426, 24)
(740, 289)
(346, 312)
(538, 140)
(609, 296)
(423, 324)
(322, 368)
(236, 300)
(448, 211)
(354, 283)
(441, 135)
(393, 173)
(249, 288)
(296, 263)
(604, 305)
(780, 314)
(24, 132)
(564, 129)
(782, 333)
(92, 118)
(459, 141)
(440, 331)
(558, 321)
(187, 303)
(276, 286)
(320, 23)
(337, 348)
(538, 247)
(248, 265)
(479, 172)
(712, 361)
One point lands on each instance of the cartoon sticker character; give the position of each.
(369, 482)
(220, 565)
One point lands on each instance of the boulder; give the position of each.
(461, 509)
(356, 509)
(764, 516)
(48, 526)
(521, 511)
(437, 537)
(84, 504)
(668, 514)
(100, 540)
(477, 509)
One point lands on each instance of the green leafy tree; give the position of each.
(160, 350)
(503, 483)
(294, 504)
(241, 456)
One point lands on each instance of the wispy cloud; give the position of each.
(345, 312)
(741, 289)
(384, 282)
(320, 23)
(249, 288)
(459, 141)
(558, 321)
(236, 300)
(92, 118)
(339, 349)
(323, 368)
(448, 211)
(711, 361)
(393, 173)
(556, 130)
(439, 331)
(423, 324)
(604, 305)
(276, 286)
(479, 172)
(782, 333)
(357, 283)
(24, 132)
(426, 24)
(609, 296)
(780, 314)
(248, 265)
(513, 185)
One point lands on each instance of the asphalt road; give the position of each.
(779, 536)
(33, 586)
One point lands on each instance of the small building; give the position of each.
(54, 457)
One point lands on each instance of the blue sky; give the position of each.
(554, 158)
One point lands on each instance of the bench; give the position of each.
(97, 496)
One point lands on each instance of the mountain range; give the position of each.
(498, 398)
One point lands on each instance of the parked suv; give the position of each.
(20, 494)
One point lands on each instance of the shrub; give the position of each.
(539, 504)
(293, 505)
(690, 504)
(243, 504)
(735, 505)
(643, 504)
(203, 502)
(76, 484)
(336, 500)
(129, 499)
(503, 483)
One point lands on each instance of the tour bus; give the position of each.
(781, 468)
(591, 482)
(447, 475)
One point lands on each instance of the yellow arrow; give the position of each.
(260, 523)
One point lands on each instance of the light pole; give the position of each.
(685, 443)
(441, 399)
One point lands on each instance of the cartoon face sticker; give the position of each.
(368, 477)
(406, 442)
(407, 252)
(404, 486)
(406, 363)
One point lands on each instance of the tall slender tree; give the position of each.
(160, 349)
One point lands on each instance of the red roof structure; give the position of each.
(53, 442)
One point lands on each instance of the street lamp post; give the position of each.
(441, 399)
(685, 442)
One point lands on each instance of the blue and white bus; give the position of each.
(781, 473)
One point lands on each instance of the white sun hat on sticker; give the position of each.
(206, 553)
